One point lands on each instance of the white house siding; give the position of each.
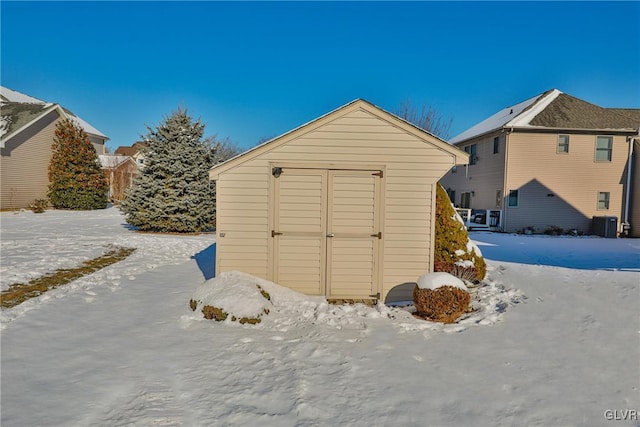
(411, 169)
(574, 179)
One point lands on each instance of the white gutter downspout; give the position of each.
(626, 225)
(505, 194)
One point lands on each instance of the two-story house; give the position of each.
(552, 161)
(27, 129)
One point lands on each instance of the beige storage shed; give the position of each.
(342, 206)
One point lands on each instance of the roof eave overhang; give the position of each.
(624, 131)
(566, 129)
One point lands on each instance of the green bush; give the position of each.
(451, 243)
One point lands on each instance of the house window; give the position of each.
(465, 200)
(563, 144)
(603, 200)
(514, 198)
(604, 147)
(496, 145)
(498, 198)
(471, 149)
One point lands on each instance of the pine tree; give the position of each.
(76, 180)
(452, 243)
(172, 193)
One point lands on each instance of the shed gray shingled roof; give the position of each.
(568, 112)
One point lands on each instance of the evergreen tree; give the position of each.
(452, 243)
(76, 180)
(172, 193)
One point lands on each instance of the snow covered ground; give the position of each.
(555, 340)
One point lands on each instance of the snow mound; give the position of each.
(238, 295)
(434, 281)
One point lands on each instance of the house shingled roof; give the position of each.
(14, 104)
(15, 115)
(632, 113)
(126, 151)
(568, 112)
(554, 109)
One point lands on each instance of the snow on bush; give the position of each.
(434, 281)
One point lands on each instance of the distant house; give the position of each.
(343, 206)
(136, 152)
(27, 127)
(552, 161)
(119, 172)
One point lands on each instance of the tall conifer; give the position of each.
(76, 180)
(172, 193)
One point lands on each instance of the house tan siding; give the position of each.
(98, 144)
(357, 139)
(25, 163)
(635, 192)
(483, 178)
(561, 189)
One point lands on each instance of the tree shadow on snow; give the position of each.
(206, 260)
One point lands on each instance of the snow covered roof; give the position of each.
(509, 116)
(557, 110)
(14, 103)
(8, 95)
(108, 161)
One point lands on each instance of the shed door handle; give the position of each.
(330, 235)
(275, 233)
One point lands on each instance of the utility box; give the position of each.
(605, 226)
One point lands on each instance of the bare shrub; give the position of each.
(445, 304)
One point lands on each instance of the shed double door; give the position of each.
(326, 232)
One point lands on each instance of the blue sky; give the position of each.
(258, 69)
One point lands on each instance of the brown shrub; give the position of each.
(445, 304)
(214, 313)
